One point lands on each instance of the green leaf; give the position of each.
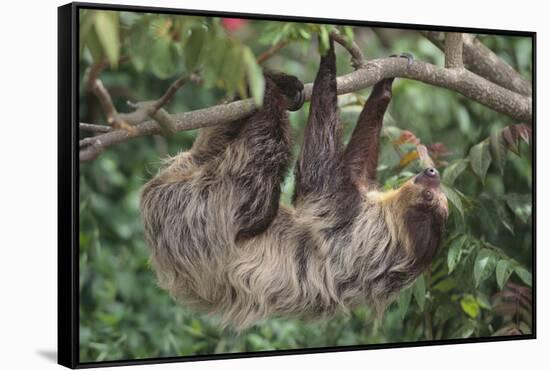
(258, 342)
(498, 150)
(324, 38)
(520, 205)
(304, 34)
(503, 272)
(233, 71)
(216, 55)
(524, 275)
(106, 25)
(348, 34)
(194, 47)
(470, 306)
(483, 301)
(445, 285)
(524, 328)
(86, 26)
(419, 291)
(94, 46)
(455, 252)
(164, 58)
(454, 198)
(404, 301)
(505, 216)
(484, 265)
(255, 77)
(139, 45)
(466, 330)
(480, 159)
(452, 171)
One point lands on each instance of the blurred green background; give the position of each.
(478, 285)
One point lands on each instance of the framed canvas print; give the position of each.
(236, 185)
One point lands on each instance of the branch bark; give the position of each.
(482, 61)
(357, 58)
(94, 128)
(453, 50)
(460, 80)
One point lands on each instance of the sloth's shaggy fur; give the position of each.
(221, 243)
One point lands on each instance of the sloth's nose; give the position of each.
(431, 172)
(429, 177)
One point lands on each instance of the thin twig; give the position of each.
(94, 128)
(357, 58)
(94, 85)
(271, 52)
(143, 110)
(172, 89)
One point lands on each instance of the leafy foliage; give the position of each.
(478, 285)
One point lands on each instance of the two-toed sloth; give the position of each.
(222, 244)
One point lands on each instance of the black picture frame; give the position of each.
(68, 183)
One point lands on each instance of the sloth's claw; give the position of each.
(290, 86)
(408, 56)
(297, 101)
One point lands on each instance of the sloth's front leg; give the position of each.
(361, 154)
(256, 163)
(319, 164)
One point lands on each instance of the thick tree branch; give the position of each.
(482, 61)
(453, 50)
(460, 80)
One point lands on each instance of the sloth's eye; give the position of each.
(428, 195)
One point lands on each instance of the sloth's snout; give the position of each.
(429, 177)
(431, 172)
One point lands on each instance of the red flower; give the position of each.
(233, 24)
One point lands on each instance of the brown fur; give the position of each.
(221, 243)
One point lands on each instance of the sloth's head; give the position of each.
(417, 213)
(423, 193)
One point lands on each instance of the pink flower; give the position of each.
(233, 24)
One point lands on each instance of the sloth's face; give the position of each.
(422, 210)
(424, 193)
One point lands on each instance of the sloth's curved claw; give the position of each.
(408, 56)
(297, 101)
(290, 86)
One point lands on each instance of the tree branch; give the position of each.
(271, 52)
(167, 96)
(357, 58)
(95, 128)
(482, 61)
(460, 80)
(95, 85)
(453, 50)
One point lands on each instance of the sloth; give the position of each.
(222, 244)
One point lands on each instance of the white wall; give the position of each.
(28, 183)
